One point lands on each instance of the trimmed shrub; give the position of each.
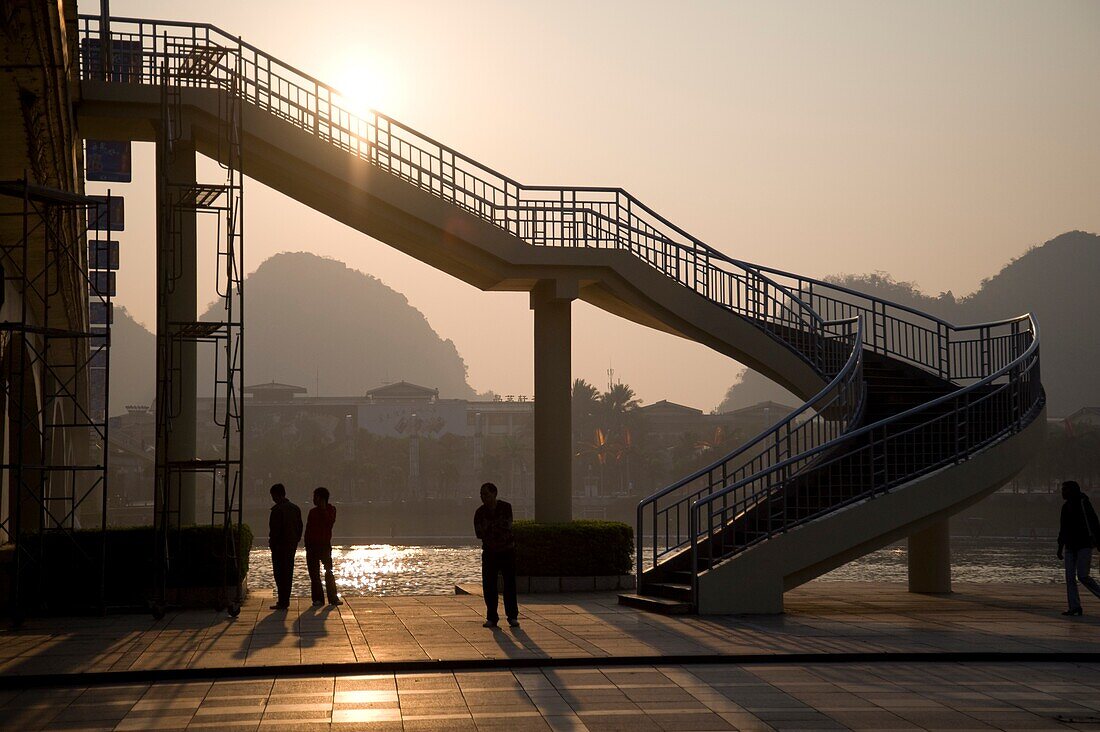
(574, 549)
(195, 560)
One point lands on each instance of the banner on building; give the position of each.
(101, 313)
(126, 60)
(108, 160)
(102, 254)
(101, 284)
(97, 386)
(98, 218)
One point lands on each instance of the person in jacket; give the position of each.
(1078, 533)
(319, 525)
(493, 525)
(284, 533)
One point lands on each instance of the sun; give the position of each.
(362, 86)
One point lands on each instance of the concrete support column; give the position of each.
(930, 559)
(177, 302)
(550, 301)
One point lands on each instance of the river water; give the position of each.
(411, 569)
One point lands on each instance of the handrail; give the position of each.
(1032, 348)
(794, 310)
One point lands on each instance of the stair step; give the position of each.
(668, 590)
(658, 605)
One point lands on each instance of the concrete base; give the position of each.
(930, 559)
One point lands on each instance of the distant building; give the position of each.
(391, 410)
(495, 443)
(131, 467)
(755, 419)
(666, 421)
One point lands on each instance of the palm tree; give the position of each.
(617, 402)
(619, 406)
(586, 407)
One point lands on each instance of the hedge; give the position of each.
(195, 560)
(574, 549)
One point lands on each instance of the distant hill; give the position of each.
(1056, 281)
(752, 388)
(310, 320)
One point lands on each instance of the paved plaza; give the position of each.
(821, 618)
(819, 696)
(578, 662)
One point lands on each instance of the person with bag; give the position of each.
(1078, 533)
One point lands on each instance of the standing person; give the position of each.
(319, 525)
(493, 525)
(1078, 533)
(283, 534)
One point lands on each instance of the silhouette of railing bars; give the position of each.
(872, 459)
(951, 352)
(794, 309)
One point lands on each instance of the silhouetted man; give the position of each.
(319, 525)
(1078, 533)
(493, 525)
(284, 533)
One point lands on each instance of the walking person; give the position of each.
(1078, 533)
(284, 533)
(493, 525)
(319, 525)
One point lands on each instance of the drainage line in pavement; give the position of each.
(98, 678)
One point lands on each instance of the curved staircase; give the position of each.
(907, 419)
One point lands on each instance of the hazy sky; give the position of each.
(933, 140)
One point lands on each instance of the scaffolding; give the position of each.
(55, 390)
(216, 467)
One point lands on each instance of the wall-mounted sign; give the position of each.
(97, 215)
(108, 160)
(101, 313)
(102, 254)
(97, 385)
(126, 59)
(101, 284)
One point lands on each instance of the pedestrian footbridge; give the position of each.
(907, 418)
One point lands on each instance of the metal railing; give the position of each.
(815, 320)
(830, 413)
(874, 458)
(554, 216)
